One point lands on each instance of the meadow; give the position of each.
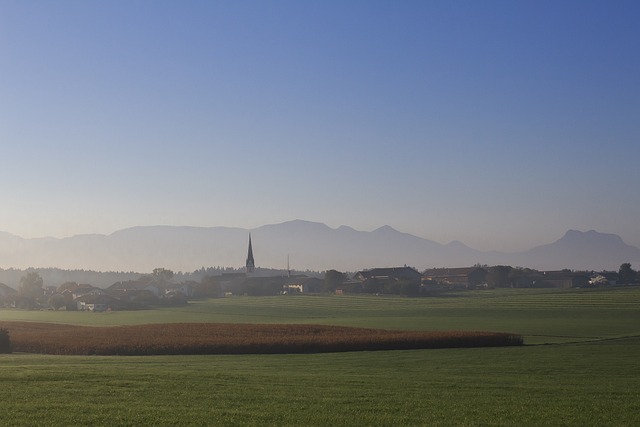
(581, 366)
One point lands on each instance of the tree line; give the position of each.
(31, 293)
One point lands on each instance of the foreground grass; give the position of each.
(589, 377)
(569, 384)
(540, 315)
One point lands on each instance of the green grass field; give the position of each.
(582, 367)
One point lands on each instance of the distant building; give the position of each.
(564, 279)
(7, 295)
(82, 290)
(250, 264)
(6, 291)
(302, 284)
(97, 303)
(460, 278)
(389, 274)
(185, 288)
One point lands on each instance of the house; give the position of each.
(405, 273)
(260, 286)
(174, 298)
(120, 288)
(460, 278)
(7, 295)
(186, 289)
(612, 277)
(357, 287)
(96, 303)
(393, 280)
(154, 288)
(83, 290)
(6, 291)
(231, 282)
(303, 285)
(598, 280)
(564, 279)
(136, 292)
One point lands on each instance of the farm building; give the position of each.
(303, 285)
(96, 303)
(462, 278)
(564, 279)
(389, 274)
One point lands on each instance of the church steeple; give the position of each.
(251, 265)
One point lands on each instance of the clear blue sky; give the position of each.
(501, 124)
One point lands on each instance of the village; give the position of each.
(160, 289)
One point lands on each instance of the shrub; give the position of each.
(5, 341)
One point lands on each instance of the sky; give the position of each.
(501, 124)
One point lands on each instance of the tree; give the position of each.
(409, 288)
(209, 287)
(5, 341)
(626, 274)
(373, 286)
(57, 301)
(333, 279)
(162, 277)
(162, 274)
(31, 288)
(498, 276)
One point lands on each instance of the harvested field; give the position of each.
(216, 338)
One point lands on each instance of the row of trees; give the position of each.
(31, 293)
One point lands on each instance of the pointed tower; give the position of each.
(250, 262)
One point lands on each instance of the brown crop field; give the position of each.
(215, 338)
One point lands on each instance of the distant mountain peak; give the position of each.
(457, 244)
(303, 223)
(591, 236)
(582, 250)
(385, 229)
(313, 245)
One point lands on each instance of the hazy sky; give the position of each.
(501, 124)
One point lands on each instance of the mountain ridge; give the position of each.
(308, 245)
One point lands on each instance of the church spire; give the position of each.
(250, 262)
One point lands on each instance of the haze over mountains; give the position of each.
(309, 245)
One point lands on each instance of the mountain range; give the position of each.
(305, 245)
